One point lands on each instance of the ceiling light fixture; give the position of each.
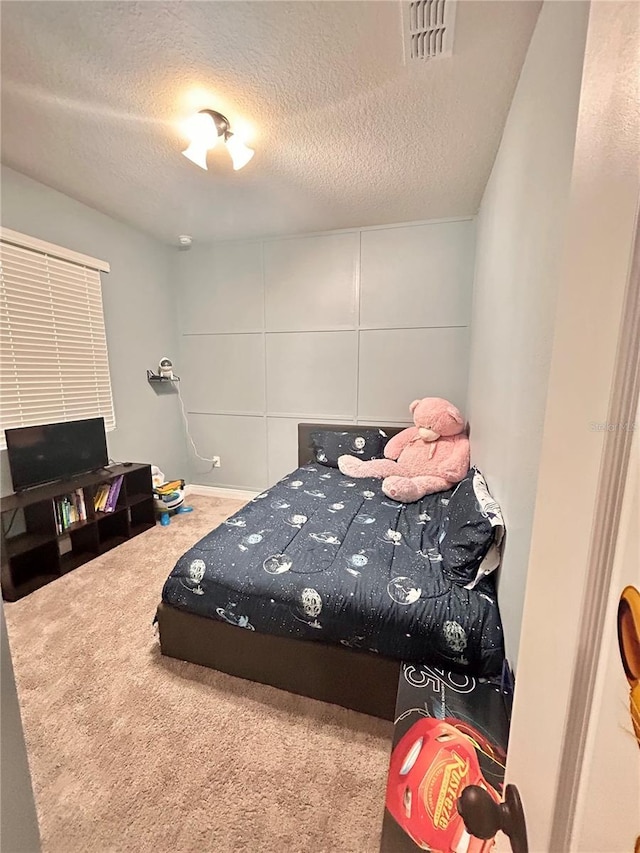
(204, 129)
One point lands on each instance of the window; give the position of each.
(53, 348)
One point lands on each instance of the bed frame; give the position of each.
(358, 680)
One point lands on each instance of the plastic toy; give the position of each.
(168, 496)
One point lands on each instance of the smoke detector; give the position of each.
(184, 242)
(428, 28)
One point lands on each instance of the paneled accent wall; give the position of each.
(344, 327)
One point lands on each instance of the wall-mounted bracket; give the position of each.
(155, 377)
(162, 384)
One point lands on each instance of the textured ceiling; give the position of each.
(345, 133)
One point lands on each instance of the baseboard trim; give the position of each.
(219, 492)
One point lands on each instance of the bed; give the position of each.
(321, 585)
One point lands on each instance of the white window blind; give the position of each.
(53, 349)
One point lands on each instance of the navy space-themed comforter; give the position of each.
(320, 556)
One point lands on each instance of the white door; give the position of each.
(585, 452)
(608, 805)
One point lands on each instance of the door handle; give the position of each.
(483, 817)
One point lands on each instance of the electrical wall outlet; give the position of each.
(216, 461)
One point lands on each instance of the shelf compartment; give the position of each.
(72, 560)
(120, 503)
(34, 568)
(132, 500)
(113, 529)
(138, 482)
(77, 526)
(31, 585)
(24, 542)
(142, 516)
(40, 518)
(82, 546)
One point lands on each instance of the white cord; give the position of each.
(186, 426)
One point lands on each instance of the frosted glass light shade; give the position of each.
(197, 154)
(201, 129)
(203, 133)
(240, 153)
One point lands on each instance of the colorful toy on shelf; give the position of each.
(168, 496)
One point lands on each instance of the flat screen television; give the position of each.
(42, 454)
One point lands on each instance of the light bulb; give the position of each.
(201, 129)
(197, 154)
(240, 153)
(203, 133)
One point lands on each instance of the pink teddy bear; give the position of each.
(431, 456)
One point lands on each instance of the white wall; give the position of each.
(139, 312)
(520, 233)
(345, 327)
(18, 820)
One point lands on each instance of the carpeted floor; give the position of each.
(130, 751)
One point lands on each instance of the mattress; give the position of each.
(323, 557)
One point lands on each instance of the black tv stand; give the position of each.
(39, 554)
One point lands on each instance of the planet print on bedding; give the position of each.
(374, 567)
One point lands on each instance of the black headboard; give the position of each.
(305, 451)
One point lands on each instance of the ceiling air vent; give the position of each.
(428, 28)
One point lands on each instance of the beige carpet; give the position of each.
(130, 751)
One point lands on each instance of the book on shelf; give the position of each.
(100, 497)
(106, 497)
(114, 493)
(69, 509)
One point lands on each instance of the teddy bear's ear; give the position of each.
(456, 415)
(414, 406)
